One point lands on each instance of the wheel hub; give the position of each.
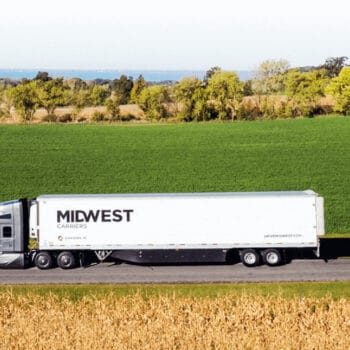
(272, 258)
(250, 258)
(43, 260)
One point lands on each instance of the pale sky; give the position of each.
(170, 35)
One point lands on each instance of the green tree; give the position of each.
(77, 84)
(248, 88)
(339, 88)
(81, 99)
(225, 92)
(193, 97)
(334, 65)
(305, 89)
(3, 113)
(270, 77)
(137, 88)
(42, 77)
(153, 101)
(53, 93)
(25, 99)
(122, 88)
(99, 94)
(112, 107)
(209, 73)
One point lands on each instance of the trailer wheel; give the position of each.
(66, 260)
(43, 260)
(272, 257)
(250, 257)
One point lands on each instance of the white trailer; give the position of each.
(173, 228)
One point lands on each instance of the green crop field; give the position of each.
(243, 156)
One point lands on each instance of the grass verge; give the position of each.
(335, 290)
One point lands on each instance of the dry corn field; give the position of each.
(169, 322)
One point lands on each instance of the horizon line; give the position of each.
(123, 69)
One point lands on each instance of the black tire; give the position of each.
(43, 260)
(66, 260)
(272, 257)
(250, 257)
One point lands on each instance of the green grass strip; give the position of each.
(336, 235)
(335, 290)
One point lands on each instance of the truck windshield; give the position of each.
(5, 216)
(9, 202)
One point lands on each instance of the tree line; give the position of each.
(275, 91)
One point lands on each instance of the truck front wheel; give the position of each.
(66, 260)
(250, 257)
(43, 260)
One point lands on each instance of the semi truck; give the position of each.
(64, 230)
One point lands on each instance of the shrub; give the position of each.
(98, 116)
(153, 102)
(2, 114)
(248, 111)
(81, 119)
(339, 88)
(268, 108)
(113, 110)
(50, 118)
(65, 118)
(124, 117)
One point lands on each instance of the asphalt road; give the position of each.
(297, 270)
